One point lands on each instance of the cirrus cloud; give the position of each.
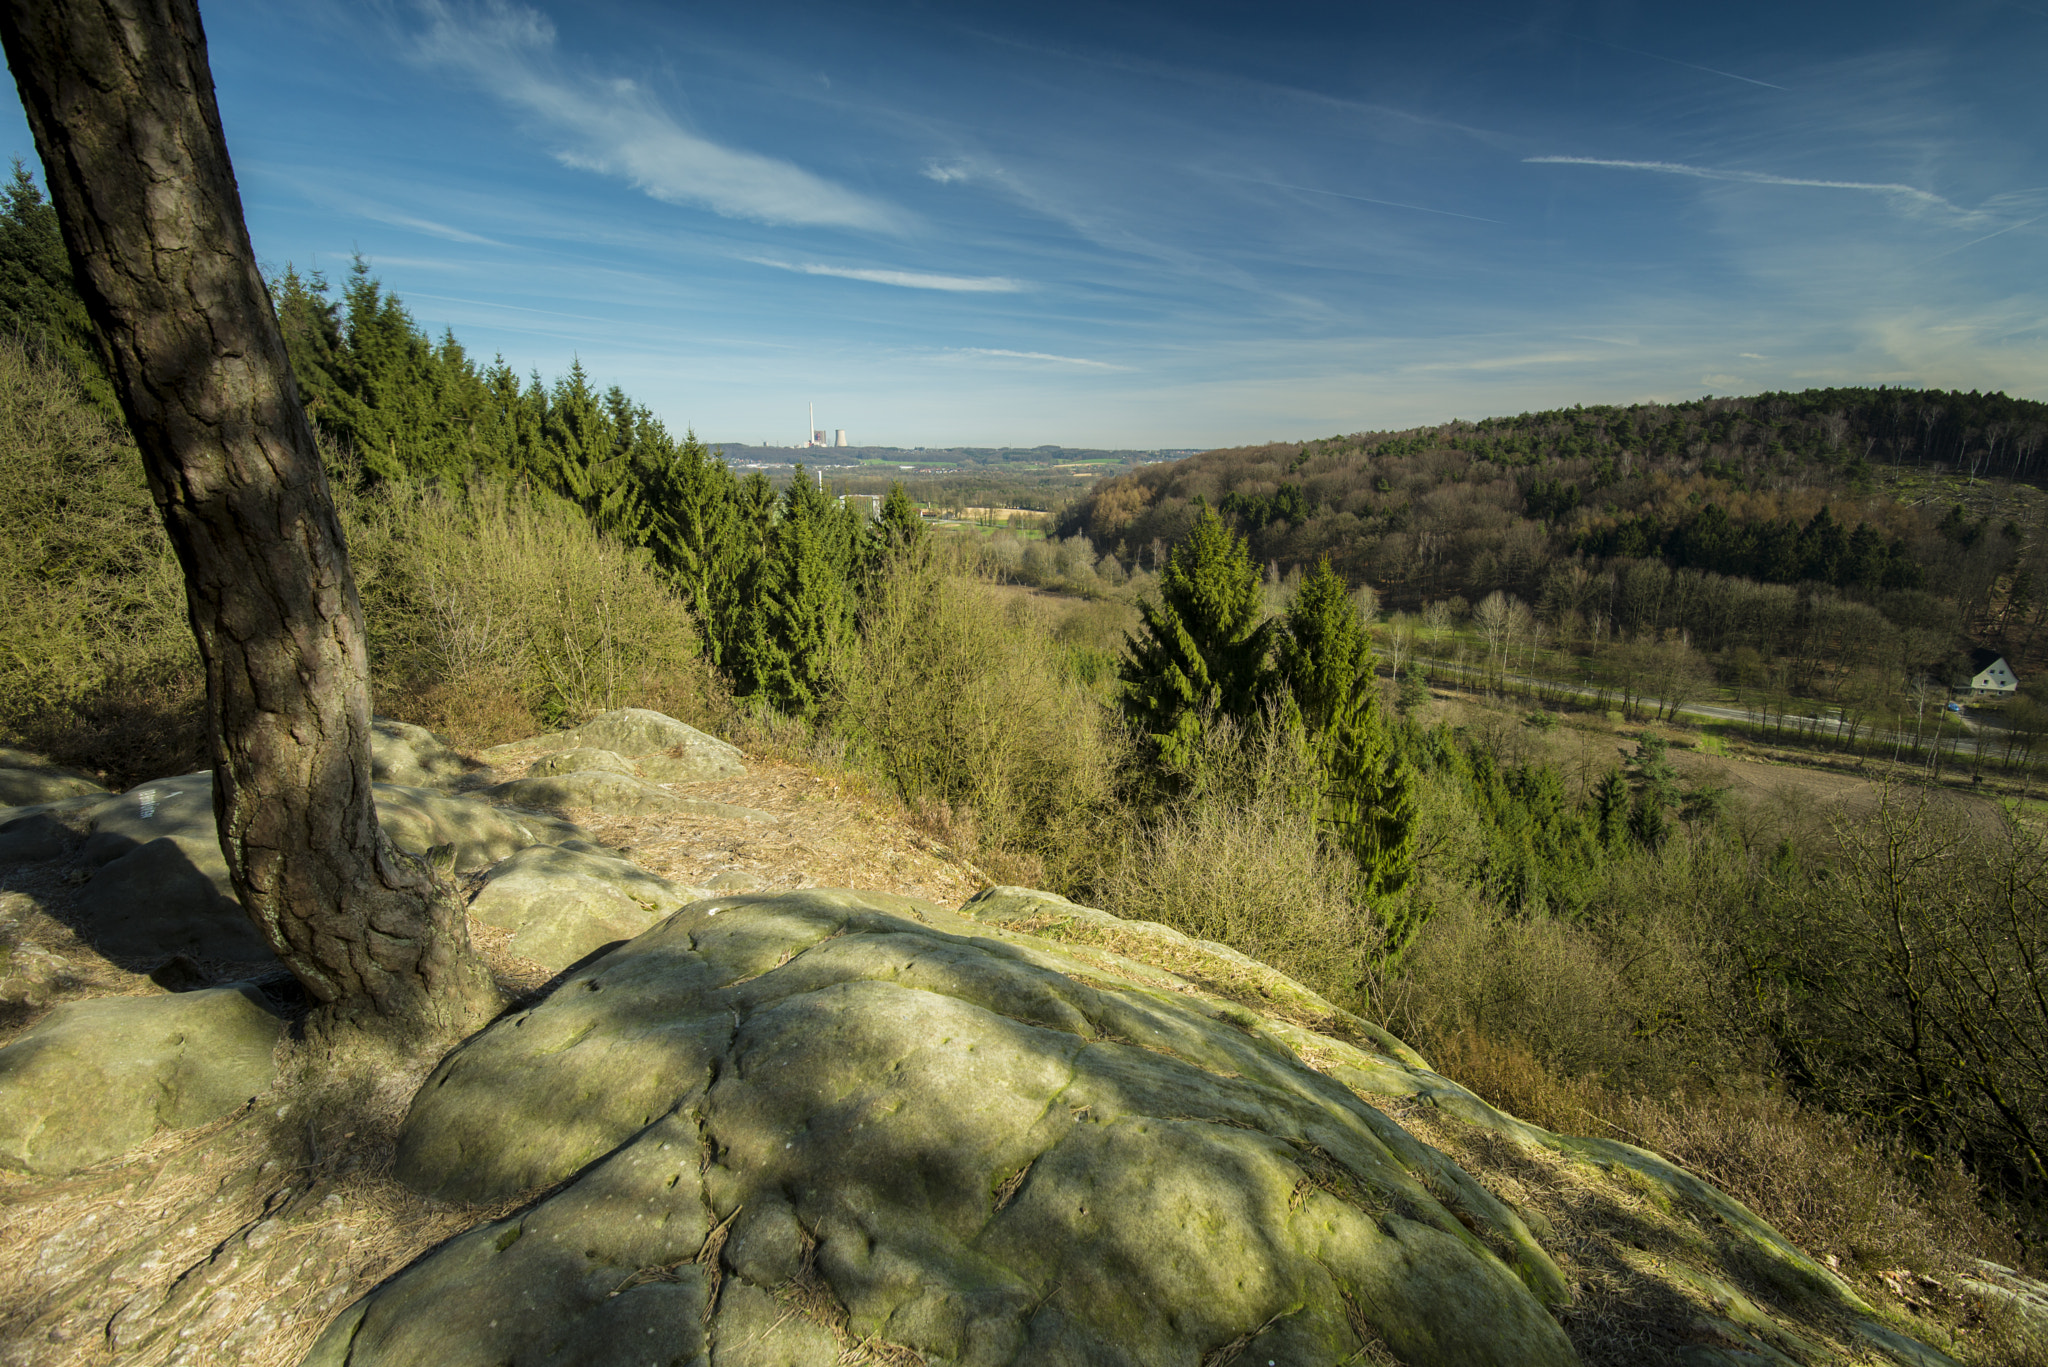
(615, 127)
(909, 280)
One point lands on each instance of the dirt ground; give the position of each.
(236, 1242)
(827, 833)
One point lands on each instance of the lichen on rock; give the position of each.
(935, 1134)
(94, 1079)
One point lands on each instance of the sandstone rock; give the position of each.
(472, 833)
(943, 1134)
(35, 838)
(160, 884)
(579, 760)
(414, 757)
(33, 787)
(665, 750)
(93, 1079)
(598, 790)
(170, 896)
(181, 807)
(694, 765)
(561, 903)
(61, 807)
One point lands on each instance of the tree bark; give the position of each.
(120, 99)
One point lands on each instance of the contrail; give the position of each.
(1679, 168)
(1691, 66)
(1988, 236)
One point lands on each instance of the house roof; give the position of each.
(1982, 658)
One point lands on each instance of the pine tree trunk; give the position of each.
(120, 100)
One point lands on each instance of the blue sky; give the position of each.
(1177, 225)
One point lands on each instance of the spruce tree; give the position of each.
(1202, 644)
(799, 611)
(899, 527)
(1368, 791)
(39, 301)
(700, 537)
(583, 459)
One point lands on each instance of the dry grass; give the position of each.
(1901, 1229)
(235, 1242)
(828, 832)
(1825, 1184)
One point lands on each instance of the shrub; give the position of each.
(97, 663)
(954, 699)
(1922, 964)
(1241, 860)
(497, 610)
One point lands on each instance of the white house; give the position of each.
(1986, 675)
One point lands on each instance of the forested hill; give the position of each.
(1884, 495)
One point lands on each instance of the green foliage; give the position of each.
(968, 711)
(495, 592)
(39, 303)
(900, 525)
(1367, 792)
(706, 530)
(1242, 861)
(1201, 651)
(97, 662)
(795, 617)
(1414, 689)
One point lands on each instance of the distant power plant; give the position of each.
(819, 437)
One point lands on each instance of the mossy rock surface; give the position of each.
(34, 787)
(170, 896)
(157, 883)
(913, 1128)
(596, 790)
(93, 1079)
(415, 757)
(661, 748)
(580, 760)
(613, 793)
(562, 903)
(473, 833)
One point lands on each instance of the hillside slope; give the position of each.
(1917, 503)
(1151, 1149)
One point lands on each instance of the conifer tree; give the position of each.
(1610, 809)
(699, 533)
(39, 303)
(899, 526)
(1368, 791)
(798, 615)
(584, 460)
(1202, 645)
